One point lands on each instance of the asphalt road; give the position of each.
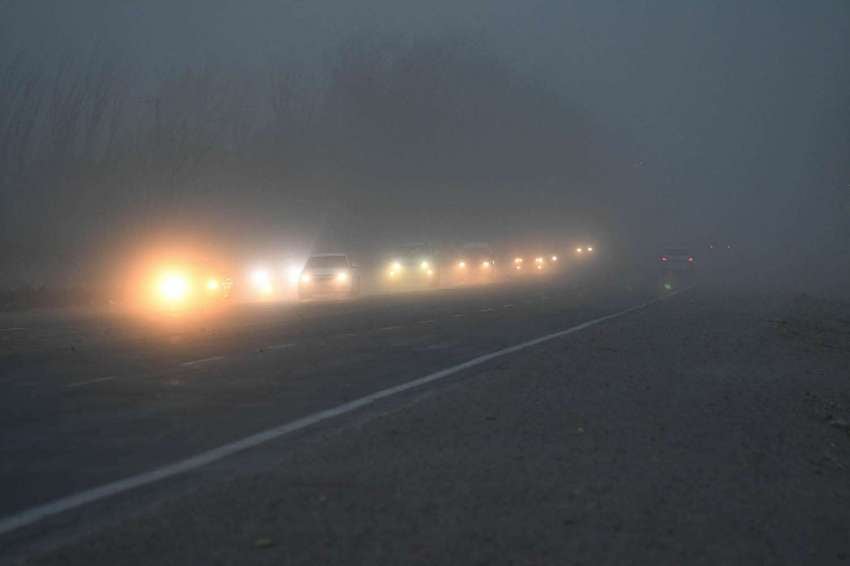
(705, 427)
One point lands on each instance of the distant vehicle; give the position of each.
(676, 259)
(331, 275)
(584, 250)
(412, 265)
(533, 264)
(475, 263)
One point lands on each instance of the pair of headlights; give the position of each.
(177, 287)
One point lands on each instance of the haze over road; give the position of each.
(622, 441)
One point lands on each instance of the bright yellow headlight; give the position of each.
(174, 287)
(425, 266)
(342, 277)
(461, 264)
(213, 284)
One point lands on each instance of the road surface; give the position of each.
(702, 426)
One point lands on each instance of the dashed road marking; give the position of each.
(389, 328)
(458, 315)
(202, 361)
(488, 309)
(281, 346)
(429, 321)
(89, 382)
(509, 306)
(16, 329)
(36, 514)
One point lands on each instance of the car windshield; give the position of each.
(327, 262)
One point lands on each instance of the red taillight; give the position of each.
(691, 259)
(663, 258)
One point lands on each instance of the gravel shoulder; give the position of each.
(707, 429)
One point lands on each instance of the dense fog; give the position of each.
(253, 127)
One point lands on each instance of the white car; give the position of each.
(331, 275)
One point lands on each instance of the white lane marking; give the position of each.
(488, 309)
(429, 321)
(388, 328)
(202, 361)
(459, 315)
(348, 334)
(12, 329)
(89, 382)
(281, 346)
(507, 306)
(35, 514)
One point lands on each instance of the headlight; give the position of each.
(293, 274)
(518, 260)
(306, 278)
(174, 287)
(461, 264)
(579, 250)
(425, 266)
(590, 249)
(342, 277)
(213, 284)
(538, 260)
(261, 281)
(259, 277)
(554, 258)
(486, 264)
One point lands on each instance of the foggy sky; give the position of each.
(713, 117)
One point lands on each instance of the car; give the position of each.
(329, 275)
(474, 263)
(584, 250)
(412, 265)
(182, 285)
(676, 259)
(534, 262)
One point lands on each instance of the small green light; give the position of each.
(668, 286)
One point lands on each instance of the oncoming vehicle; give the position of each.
(185, 285)
(583, 250)
(475, 263)
(412, 265)
(331, 275)
(533, 264)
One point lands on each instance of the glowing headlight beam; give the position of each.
(174, 287)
